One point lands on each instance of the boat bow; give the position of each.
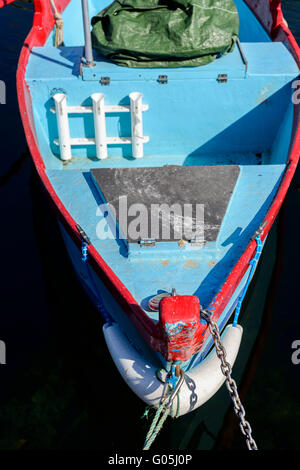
(200, 383)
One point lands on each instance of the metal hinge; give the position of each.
(148, 242)
(105, 81)
(162, 79)
(222, 78)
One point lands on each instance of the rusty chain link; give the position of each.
(230, 383)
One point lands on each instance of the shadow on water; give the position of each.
(59, 388)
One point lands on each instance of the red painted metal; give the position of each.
(179, 317)
(270, 15)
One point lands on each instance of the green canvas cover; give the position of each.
(165, 33)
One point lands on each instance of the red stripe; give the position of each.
(3, 3)
(42, 26)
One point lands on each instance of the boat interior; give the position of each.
(216, 135)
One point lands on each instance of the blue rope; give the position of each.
(172, 379)
(84, 251)
(100, 305)
(253, 264)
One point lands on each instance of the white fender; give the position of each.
(200, 384)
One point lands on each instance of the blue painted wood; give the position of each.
(271, 58)
(199, 272)
(259, 57)
(231, 64)
(126, 325)
(193, 120)
(186, 117)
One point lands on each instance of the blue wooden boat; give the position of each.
(223, 138)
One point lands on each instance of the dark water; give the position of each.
(59, 388)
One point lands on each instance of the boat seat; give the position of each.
(263, 58)
(179, 187)
(231, 64)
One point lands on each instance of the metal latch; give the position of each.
(259, 230)
(162, 79)
(105, 81)
(83, 235)
(147, 242)
(222, 78)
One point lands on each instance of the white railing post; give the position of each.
(136, 124)
(99, 124)
(60, 100)
(99, 110)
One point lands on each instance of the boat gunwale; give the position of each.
(43, 24)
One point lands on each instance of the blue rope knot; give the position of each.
(84, 251)
(171, 377)
(100, 305)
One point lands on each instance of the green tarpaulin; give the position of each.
(165, 33)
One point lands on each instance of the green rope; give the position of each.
(159, 420)
(156, 425)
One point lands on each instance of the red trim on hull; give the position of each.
(269, 14)
(3, 3)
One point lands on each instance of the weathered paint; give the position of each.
(179, 317)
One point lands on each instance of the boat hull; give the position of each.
(138, 365)
(43, 24)
(97, 291)
(116, 297)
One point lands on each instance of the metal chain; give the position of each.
(230, 383)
